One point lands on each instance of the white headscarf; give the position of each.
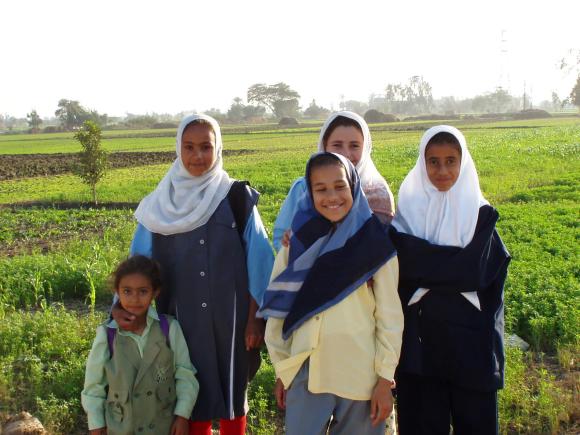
(182, 202)
(443, 218)
(374, 185)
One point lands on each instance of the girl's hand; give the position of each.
(280, 394)
(255, 329)
(100, 431)
(381, 401)
(286, 238)
(124, 319)
(180, 426)
(371, 283)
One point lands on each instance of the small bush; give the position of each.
(532, 114)
(288, 121)
(374, 116)
(52, 129)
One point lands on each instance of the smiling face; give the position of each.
(331, 192)
(347, 141)
(136, 293)
(443, 162)
(198, 148)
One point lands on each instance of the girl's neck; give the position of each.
(140, 324)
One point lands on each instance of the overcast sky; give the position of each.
(168, 56)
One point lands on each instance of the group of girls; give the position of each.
(360, 301)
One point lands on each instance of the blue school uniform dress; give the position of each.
(208, 286)
(214, 253)
(453, 266)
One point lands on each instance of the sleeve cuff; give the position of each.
(385, 372)
(183, 409)
(96, 421)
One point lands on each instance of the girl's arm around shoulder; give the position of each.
(94, 394)
(284, 219)
(142, 243)
(278, 348)
(389, 319)
(186, 385)
(259, 255)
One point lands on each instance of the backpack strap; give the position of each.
(112, 333)
(242, 199)
(164, 324)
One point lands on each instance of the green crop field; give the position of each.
(56, 252)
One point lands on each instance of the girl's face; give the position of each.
(331, 192)
(136, 294)
(198, 149)
(347, 141)
(443, 163)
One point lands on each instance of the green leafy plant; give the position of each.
(93, 158)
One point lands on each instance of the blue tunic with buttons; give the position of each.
(209, 274)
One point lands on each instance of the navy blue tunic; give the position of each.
(445, 336)
(206, 288)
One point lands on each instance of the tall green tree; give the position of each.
(315, 111)
(34, 121)
(93, 158)
(236, 110)
(279, 98)
(71, 114)
(413, 97)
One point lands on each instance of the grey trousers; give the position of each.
(313, 414)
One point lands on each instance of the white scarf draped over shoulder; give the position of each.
(443, 218)
(374, 185)
(182, 202)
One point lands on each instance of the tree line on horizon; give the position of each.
(277, 101)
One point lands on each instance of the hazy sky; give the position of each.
(167, 56)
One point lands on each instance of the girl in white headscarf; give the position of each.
(205, 231)
(452, 269)
(348, 134)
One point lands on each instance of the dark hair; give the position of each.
(444, 138)
(138, 264)
(325, 159)
(339, 121)
(200, 121)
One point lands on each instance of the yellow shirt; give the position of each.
(350, 344)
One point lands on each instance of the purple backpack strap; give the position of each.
(164, 324)
(111, 333)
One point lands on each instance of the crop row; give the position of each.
(14, 166)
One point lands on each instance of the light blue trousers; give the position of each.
(312, 414)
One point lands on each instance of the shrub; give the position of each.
(52, 129)
(287, 121)
(374, 116)
(531, 114)
(93, 158)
